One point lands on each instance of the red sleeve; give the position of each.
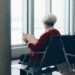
(39, 45)
(42, 41)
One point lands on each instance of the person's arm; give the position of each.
(39, 45)
(29, 38)
(24, 37)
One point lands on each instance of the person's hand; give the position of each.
(24, 37)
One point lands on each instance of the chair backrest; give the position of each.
(53, 54)
(69, 45)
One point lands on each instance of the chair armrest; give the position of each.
(39, 52)
(68, 54)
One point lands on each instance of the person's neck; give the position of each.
(49, 28)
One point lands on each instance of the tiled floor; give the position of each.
(15, 71)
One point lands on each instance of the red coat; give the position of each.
(41, 44)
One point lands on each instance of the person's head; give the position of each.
(49, 20)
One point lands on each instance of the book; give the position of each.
(29, 38)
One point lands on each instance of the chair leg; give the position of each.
(49, 74)
(32, 72)
(22, 72)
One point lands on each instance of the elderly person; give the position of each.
(40, 44)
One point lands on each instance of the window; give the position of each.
(27, 16)
(39, 13)
(18, 24)
(58, 8)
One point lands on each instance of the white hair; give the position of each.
(50, 19)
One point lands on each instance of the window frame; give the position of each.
(30, 16)
(30, 21)
(47, 11)
(24, 21)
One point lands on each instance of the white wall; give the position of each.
(5, 37)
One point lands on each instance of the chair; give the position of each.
(50, 57)
(68, 42)
(60, 51)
